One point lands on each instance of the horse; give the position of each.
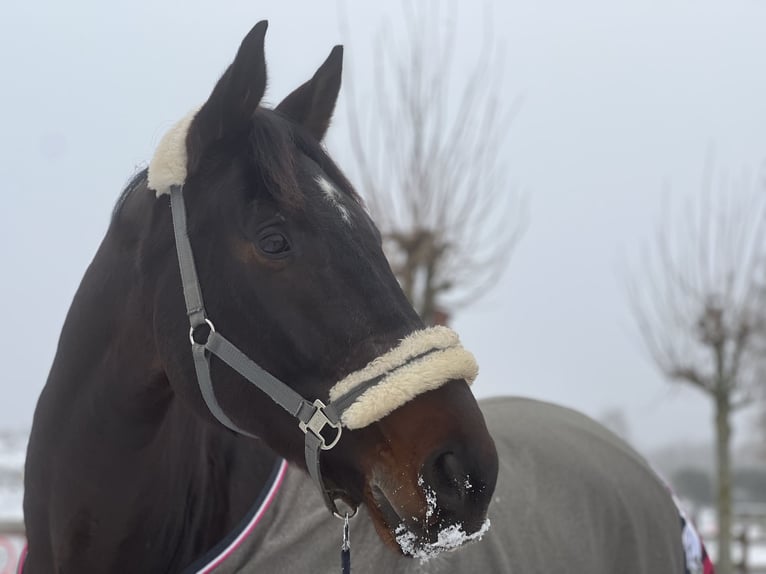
(301, 388)
(164, 411)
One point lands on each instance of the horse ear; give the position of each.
(311, 105)
(236, 96)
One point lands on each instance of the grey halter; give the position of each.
(313, 417)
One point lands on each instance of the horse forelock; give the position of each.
(273, 156)
(280, 148)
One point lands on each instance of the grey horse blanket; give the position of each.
(571, 498)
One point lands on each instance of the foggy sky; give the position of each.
(620, 100)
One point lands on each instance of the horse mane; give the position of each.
(273, 142)
(316, 152)
(138, 179)
(272, 153)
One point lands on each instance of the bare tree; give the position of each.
(758, 441)
(430, 158)
(697, 305)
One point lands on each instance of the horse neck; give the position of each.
(189, 480)
(106, 353)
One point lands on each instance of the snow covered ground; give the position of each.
(756, 555)
(13, 448)
(705, 522)
(11, 548)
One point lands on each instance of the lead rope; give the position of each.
(345, 549)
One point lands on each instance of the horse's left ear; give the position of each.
(229, 109)
(311, 105)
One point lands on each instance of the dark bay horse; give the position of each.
(142, 456)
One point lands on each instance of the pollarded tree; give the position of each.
(697, 305)
(431, 163)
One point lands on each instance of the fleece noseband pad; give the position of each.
(423, 361)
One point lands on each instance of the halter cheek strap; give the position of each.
(312, 417)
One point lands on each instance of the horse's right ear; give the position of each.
(230, 107)
(311, 105)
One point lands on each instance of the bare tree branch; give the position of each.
(698, 303)
(430, 157)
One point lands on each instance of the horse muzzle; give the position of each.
(430, 480)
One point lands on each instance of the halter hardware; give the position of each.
(350, 511)
(194, 328)
(345, 548)
(318, 422)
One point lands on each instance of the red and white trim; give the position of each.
(22, 559)
(247, 530)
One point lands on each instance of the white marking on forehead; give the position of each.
(334, 196)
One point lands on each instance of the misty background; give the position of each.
(621, 105)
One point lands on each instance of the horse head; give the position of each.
(293, 273)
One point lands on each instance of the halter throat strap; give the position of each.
(313, 417)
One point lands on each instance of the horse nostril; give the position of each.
(446, 475)
(458, 484)
(450, 475)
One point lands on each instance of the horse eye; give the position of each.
(274, 244)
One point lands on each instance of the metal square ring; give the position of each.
(316, 424)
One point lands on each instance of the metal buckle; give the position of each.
(191, 332)
(317, 422)
(345, 515)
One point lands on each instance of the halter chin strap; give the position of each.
(357, 400)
